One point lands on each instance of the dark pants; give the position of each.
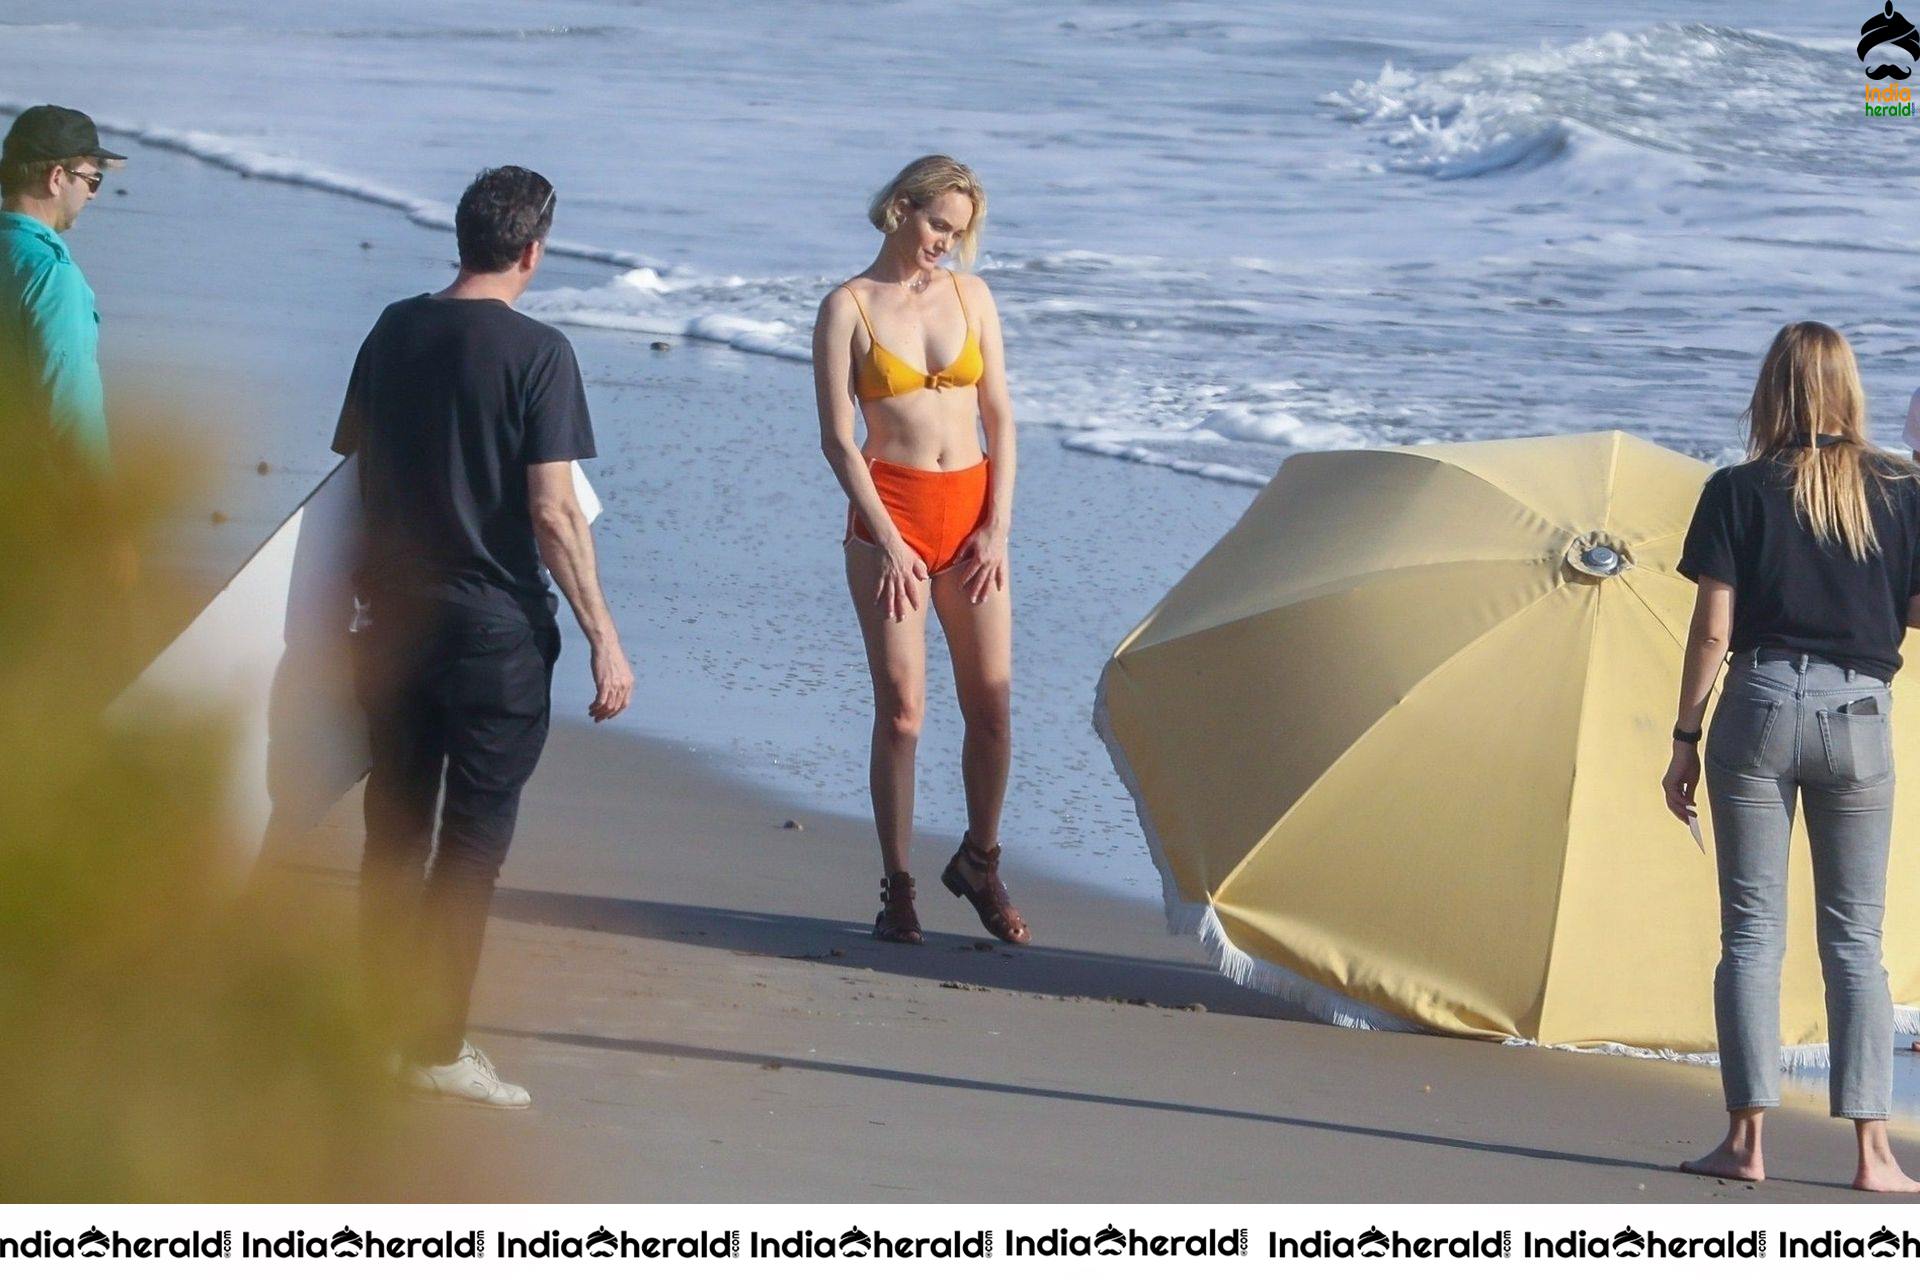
(464, 692)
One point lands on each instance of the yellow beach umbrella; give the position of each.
(1396, 742)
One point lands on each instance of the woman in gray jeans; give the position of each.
(1805, 556)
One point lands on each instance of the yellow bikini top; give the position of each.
(882, 373)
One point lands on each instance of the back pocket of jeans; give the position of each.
(1859, 747)
(1742, 727)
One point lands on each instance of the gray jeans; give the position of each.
(1802, 726)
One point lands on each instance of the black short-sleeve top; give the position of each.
(450, 401)
(1792, 592)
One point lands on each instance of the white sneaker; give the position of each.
(468, 1078)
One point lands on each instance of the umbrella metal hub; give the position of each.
(1599, 556)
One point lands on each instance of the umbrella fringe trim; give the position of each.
(1183, 917)
(1300, 993)
(1794, 1058)
(1329, 1006)
(1324, 1005)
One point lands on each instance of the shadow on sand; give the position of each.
(946, 957)
(893, 1075)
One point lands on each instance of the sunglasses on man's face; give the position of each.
(93, 179)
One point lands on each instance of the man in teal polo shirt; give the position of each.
(51, 165)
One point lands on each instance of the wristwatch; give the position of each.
(1691, 739)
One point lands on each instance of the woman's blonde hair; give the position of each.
(924, 181)
(1809, 386)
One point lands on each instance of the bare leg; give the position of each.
(980, 638)
(897, 659)
(1878, 1170)
(1738, 1156)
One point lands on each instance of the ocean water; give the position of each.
(1219, 234)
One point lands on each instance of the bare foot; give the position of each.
(1887, 1182)
(1724, 1161)
(1877, 1169)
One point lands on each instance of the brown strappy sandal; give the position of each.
(897, 921)
(990, 899)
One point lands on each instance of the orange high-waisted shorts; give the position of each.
(935, 511)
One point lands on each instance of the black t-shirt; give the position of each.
(1789, 591)
(450, 401)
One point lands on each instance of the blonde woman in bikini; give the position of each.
(915, 348)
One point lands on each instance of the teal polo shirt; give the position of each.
(50, 340)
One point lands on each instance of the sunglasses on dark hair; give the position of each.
(93, 180)
(548, 204)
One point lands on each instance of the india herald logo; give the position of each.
(1628, 1243)
(1884, 32)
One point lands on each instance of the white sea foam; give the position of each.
(767, 338)
(558, 31)
(251, 162)
(1278, 427)
(1108, 445)
(710, 310)
(1671, 93)
(1071, 260)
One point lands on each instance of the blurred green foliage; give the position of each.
(166, 1033)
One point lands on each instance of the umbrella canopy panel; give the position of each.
(1402, 737)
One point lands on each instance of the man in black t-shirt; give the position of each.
(467, 418)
